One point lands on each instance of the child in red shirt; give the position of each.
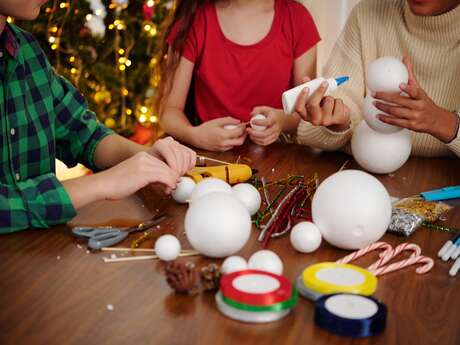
(238, 56)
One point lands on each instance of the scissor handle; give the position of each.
(88, 231)
(107, 239)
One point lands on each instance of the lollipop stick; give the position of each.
(140, 258)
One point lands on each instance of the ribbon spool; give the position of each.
(350, 315)
(328, 278)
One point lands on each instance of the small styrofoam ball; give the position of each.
(230, 127)
(305, 237)
(167, 247)
(210, 185)
(184, 190)
(266, 260)
(233, 264)
(386, 74)
(249, 196)
(217, 224)
(370, 116)
(380, 153)
(257, 127)
(352, 209)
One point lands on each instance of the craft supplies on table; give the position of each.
(350, 315)
(255, 296)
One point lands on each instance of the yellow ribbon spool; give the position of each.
(330, 277)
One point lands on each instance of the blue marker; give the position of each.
(445, 193)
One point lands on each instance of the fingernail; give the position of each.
(373, 94)
(306, 90)
(324, 84)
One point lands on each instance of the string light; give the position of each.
(153, 119)
(142, 118)
(10, 20)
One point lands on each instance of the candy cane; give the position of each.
(428, 265)
(387, 255)
(387, 250)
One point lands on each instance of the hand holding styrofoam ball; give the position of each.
(370, 116)
(167, 247)
(380, 153)
(258, 127)
(305, 237)
(233, 264)
(184, 190)
(266, 260)
(352, 209)
(249, 196)
(386, 75)
(210, 185)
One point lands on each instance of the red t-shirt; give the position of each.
(231, 79)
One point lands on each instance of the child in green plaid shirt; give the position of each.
(43, 117)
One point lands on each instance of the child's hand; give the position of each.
(212, 135)
(274, 122)
(323, 111)
(134, 173)
(179, 157)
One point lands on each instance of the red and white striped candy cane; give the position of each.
(412, 260)
(386, 256)
(387, 250)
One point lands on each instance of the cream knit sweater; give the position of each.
(379, 28)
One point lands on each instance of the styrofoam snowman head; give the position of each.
(217, 224)
(370, 116)
(380, 153)
(249, 196)
(184, 190)
(258, 127)
(352, 209)
(386, 74)
(210, 185)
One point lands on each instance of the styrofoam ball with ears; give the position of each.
(210, 185)
(352, 209)
(249, 196)
(233, 264)
(305, 237)
(380, 153)
(370, 116)
(257, 127)
(167, 247)
(217, 225)
(184, 190)
(386, 74)
(266, 260)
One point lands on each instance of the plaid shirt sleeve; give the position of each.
(38, 202)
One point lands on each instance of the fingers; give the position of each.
(234, 133)
(300, 104)
(397, 111)
(327, 105)
(306, 79)
(396, 98)
(319, 94)
(264, 110)
(235, 141)
(414, 91)
(263, 139)
(410, 69)
(228, 120)
(395, 121)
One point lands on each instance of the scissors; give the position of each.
(99, 237)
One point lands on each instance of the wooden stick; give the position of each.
(139, 258)
(214, 160)
(148, 250)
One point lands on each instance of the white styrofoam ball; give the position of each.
(217, 225)
(352, 209)
(210, 185)
(249, 196)
(380, 153)
(184, 190)
(305, 237)
(257, 127)
(230, 127)
(167, 247)
(386, 74)
(266, 260)
(370, 116)
(233, 264)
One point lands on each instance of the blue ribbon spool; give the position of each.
(350, 315)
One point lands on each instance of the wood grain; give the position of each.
(53, 292)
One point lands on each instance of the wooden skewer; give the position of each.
(148, 250)
(139, 258)
(213, 160)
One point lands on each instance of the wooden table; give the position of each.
(53, 292)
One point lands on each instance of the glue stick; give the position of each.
(289, 97)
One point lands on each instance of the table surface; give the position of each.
(53, 292)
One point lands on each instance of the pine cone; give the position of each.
(182, 278)
(210, 277)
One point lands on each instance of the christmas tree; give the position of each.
(110, 51)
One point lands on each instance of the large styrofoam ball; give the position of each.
(305, 237)
(184, 190)
(167, 247)
(380, 153)
(249, 196)
(210, 185)
(352, 209)
(233, 264)
(386, 74)
(258, 127)
(370, 116)
(217, 225)
(266, 260)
